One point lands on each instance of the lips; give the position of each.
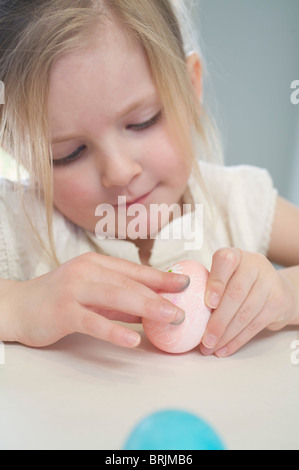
(138, 200)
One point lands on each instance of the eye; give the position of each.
(147, 124)
(69, 158)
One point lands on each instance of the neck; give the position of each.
(145, 250)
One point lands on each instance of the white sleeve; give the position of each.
(247, 198)
(252, 201)
(9, 262)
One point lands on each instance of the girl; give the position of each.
(103, 100)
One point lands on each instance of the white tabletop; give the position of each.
(85, 394)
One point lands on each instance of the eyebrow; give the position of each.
(145, 100)
(124, 112)
(65, 138)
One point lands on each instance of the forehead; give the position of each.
(113, 69)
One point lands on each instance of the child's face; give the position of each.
(106, 117)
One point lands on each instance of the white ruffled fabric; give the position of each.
(243, 200)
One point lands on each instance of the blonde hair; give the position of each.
(34, 34)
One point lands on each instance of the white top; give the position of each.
(246, 202)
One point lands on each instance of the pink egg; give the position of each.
(188, 335)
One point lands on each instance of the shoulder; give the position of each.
(24, 237)
(23, 230)
(9, 201)
(9, 268)
(228, 175)
(15, 200)
(246, 198)
(236, 183)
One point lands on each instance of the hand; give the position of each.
(86, 294)
(247, 295)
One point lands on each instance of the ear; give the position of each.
(195, 71)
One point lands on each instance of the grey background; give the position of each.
(251, 51)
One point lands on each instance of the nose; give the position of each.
(118, 169)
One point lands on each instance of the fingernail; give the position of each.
(132, 339)
(210, 341)
(222, 353)
(180, 318)
(213, 300)
(169, 311)
(184, 281)
(205, 351)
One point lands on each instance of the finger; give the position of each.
(146, 275)
(116, 298)
(249, 310)
(225, 263)
(259, 323)
(89, 323)
(239, 289)
(125, 297)
(115, 315)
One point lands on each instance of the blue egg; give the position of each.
(173, 430)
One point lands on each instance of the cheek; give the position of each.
(75, 197)
(67, 190)
(168, 161)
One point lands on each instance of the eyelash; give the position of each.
(70, 158)
(134, 127)
(146, 125)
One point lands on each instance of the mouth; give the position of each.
(139, 200)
